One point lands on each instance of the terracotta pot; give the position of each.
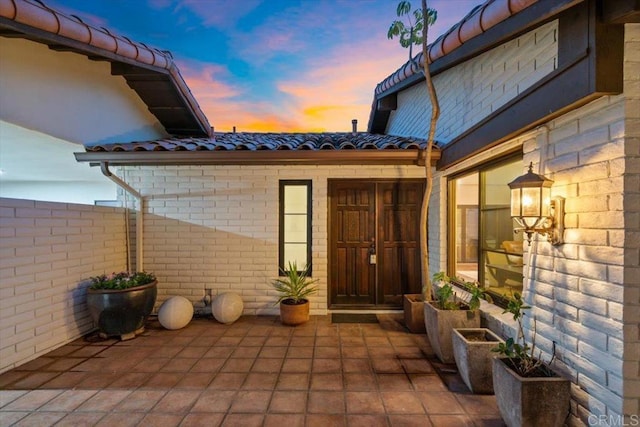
(472, 351)
(294, 314)
(530, 401)
(441, 323)
(122, 312)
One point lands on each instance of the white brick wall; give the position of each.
(586, 292)
(47, 250)
(217, 227)
(471, 91)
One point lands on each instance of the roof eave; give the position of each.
(245, 157)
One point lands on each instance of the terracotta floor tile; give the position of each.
(488, 421)
(417, 366)
(327, 352)
(36, 364)
(65, 350)
(326, 382)
(476, 404)
(66, 364)
(193, 352)
(260, 381)
(300, 352)
(394, 382)
(160, 419)
(252, 341)
(267, 365)
(297, 365)
(95, 380)
(440, 403)
(327, 341)
(277, 341)
(178, 364)
(401, 402)
(326, 402)
(356, 365)
(88, 351)
(228, 381)
(9, 418)
(80, 419)
(427, 382)
(326, 420)
(8, 396)
(177, 401)
(104, 400)
(352, 341)
(66, 380)
(129, 419)
(273, 352)
(151, 364)
(251, 401)
(130, 380)
(10, 377)
(377, 341)
(228, 341)
(360, 382)
(409, 421)
(326, 365)
(195, 380)
(140, 400)
(246, 352)
(293, 381)
(38, 419)
(450, 421)
(387, 366)
(34, 380)
(166, 351)
(208, 365)
(214, 401)
(303, 341)
(364, 402)
(259, 331)
(367, 421)
(284, 420)
(202, 419)
(68, 400)
(237, 365)
(163, 380)
(243, 420)
(32, 400)
(288, 402)
(219, 352)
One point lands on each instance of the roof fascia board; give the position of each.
(244, 157)
(589, 67)
(621, 11)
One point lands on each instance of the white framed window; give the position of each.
(295, 223)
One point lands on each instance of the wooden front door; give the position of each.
(374, 252)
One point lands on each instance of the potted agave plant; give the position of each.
(447, 312)
(528, 391)
(294, 287)
(120, 303)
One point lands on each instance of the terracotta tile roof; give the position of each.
(478, 21)
(270, 142)
(41, 23)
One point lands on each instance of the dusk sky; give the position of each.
(271, 65)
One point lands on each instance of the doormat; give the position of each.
(353, 318)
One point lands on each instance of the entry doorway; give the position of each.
(374, 242)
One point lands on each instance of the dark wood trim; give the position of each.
(246, 157)
(281, 185)
(621, 11)
(590, 56)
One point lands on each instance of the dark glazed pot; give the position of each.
(122, 312)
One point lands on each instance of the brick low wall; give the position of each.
(48, 250)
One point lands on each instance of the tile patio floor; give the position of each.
(254, 372)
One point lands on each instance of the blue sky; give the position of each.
(271, 65)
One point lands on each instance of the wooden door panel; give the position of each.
(353, 278)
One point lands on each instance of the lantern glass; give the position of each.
(531, 201)
(515, 202)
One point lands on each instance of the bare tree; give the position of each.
(417, 33)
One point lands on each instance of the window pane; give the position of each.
(295, 199)
(295, 228)
(295, 252)
(466, 205)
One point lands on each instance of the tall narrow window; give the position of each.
(484, 247)
(295, 223)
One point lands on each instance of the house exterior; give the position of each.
(552, 83)
(556, 85)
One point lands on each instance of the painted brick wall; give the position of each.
(217, 227)
(471, 91)
(47, 250)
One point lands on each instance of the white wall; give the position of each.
(217, 227)
(474, 89)
(47, 251)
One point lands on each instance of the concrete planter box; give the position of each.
(531, 401)
(414, 313)
(440, 324)
(473, 355)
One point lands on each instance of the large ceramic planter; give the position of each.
(440, 323)
(528, 402)
(293, 314)
(413, 313)
(122, 312)
(473, 355)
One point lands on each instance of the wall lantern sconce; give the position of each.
(534, 210)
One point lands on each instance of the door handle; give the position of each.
(373, 258)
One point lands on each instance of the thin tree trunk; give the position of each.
(424, 211)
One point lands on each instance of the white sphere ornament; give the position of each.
(227, 307)
(175, 313)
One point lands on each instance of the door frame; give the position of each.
(331, 249)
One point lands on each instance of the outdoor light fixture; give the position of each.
(533, 208)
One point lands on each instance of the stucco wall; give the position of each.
(217, 227)
(471, 91)
(47, 251)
